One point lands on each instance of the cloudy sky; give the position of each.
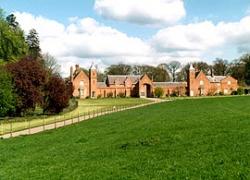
(136, 31)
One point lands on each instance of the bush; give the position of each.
(73, 104)
(221, 93)
(110, 95)
(121, 95)
(234, 93)
(158, 92)
(174, 94)
(99, 96)
(240, 91)
(247, 91)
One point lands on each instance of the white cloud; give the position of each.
(144, 12)
(199, 38)
(83, 41)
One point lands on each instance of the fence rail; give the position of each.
(13, 129)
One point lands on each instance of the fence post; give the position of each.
(44, 123)
(55, 122)
(10, 128)
(2, 128)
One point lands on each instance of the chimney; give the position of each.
(71, 73)
(212, 72)
(77, 67)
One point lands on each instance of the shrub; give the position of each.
(73, 104)
(247, 91)
(234, 93)
(240, 91)
(221, 93)
(99, 96)
(121, 95)
(110, 95)
(158, 92)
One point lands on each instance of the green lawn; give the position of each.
(85, 106)
(183, 139)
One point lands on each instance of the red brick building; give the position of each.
(86, 85)
(201, 85)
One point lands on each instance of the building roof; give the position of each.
(101, 85)
(216, 79)
(164, 84)
(120, 79)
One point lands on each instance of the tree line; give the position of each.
(175, 71)
(28, 78)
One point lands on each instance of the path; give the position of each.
(60, 124)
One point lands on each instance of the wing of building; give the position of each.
(198, 84)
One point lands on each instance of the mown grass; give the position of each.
(86, 106)
(186, 139)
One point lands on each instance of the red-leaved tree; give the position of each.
(29, 78)
(56, 95)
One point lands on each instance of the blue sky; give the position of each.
(197, 10)
(197, 20)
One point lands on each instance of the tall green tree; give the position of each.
(7, 95)
(12, 41)
(34, 44)
(11, 19)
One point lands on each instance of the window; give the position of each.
(229, 82)
(201, 83)
(81, 84)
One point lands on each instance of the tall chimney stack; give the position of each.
(71, 73)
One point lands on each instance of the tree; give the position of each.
(11, 19)
(50, 64)
(34, 44)
(237, 70)
(29, 78)
(120, 69)
(202, 66)
(173, 67)
(7, 95)
(12, 41)
(245, 59)
(158, 73)
(182, 74)
(220, 67)
(57, 95)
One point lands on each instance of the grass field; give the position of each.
(183, 139)
(84, 106)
